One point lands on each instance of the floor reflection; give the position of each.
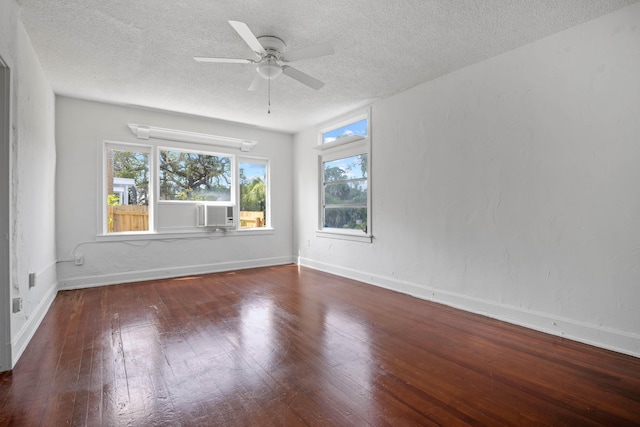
(283, 346)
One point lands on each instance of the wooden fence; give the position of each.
(136, 218)
(249, 219)
(128, 218)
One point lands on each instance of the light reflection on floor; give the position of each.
(230, 352)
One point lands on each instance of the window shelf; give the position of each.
(146, 132)
(342, 235)
(339, 142)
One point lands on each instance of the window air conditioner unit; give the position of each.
(215, 216)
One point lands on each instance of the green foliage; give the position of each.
(345, 193)
(346, 217)
(253, 191)
(353, 193)
(253, 195)
(194, 176)
(113, 200)
(364, 160)
(127, 164)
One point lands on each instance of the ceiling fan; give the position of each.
(271, 55)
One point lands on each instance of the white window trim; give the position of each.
(337, 125)
(351, 235)
(339, 142)
(170, 235)
(341, 148)
(146, 132)
(153, 150)
(267, 208)
(347, 150)
(103, 149)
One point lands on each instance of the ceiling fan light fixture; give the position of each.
(269, 69)
(270, 53)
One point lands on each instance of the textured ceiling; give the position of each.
(140, 52)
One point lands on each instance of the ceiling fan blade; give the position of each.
(257, 83)
(303, 78)
(223, 60)
(248, 36)
(316, 51)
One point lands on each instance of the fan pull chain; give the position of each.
(269, 107)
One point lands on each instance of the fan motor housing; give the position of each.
(273, 45)
(270, 54)
(269, 68)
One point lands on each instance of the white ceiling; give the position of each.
(140, 52)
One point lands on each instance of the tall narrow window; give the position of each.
(192, 176)
(253, 193)
(127, 189)
(345, 178)
(345, 193)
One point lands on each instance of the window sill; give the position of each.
(355, 236)
(196, 234)
(254, 231)
(352, 141)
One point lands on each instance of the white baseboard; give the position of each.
(619, 341)
(169, 272)
(21, 340)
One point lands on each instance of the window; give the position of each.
(345, 193)
(127, 188)
(160, 189)
(191, 176)
(345, 197)
(253, 193)
(351, 131)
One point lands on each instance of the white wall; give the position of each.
(32, 164)
(81, 128)
(508, 188)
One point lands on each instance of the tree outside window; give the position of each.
(127, 195)
(345, 193)
(253, 194)
(194, 176)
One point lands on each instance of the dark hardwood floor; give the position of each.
(293, 346)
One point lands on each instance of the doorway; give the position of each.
(5, 209)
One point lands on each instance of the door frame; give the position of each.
(6, 363)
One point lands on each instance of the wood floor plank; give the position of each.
(294, 346)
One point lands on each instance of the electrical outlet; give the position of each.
(16, 305)
(32, 280)
(79, 260)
